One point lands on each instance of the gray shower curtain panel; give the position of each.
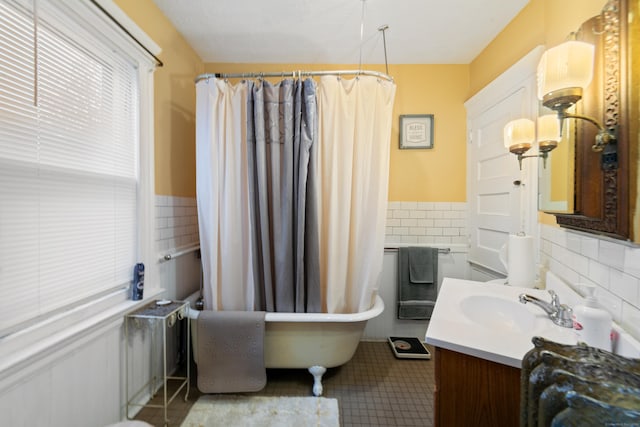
(282, 134)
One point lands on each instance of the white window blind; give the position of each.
(69, 143)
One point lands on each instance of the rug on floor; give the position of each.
(261, 411)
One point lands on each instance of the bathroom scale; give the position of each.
(409, 348)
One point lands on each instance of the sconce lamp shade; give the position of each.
(548, 128)
(548, 134)
(520, 133)
(568, 65)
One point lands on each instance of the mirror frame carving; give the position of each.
(610, 106)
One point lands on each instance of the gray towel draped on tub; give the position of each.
(417, 282)
(231, 351)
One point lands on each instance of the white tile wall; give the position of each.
(614, 267)
(176, 222)
(426, 222)
(407, 222)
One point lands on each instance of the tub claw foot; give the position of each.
(317, 372)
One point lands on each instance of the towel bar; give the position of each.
(440, 250)
(179, 252)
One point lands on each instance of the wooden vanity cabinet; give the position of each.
(470, 391)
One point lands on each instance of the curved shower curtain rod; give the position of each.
(298, 74)
(294, 74)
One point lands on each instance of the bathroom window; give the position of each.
(75, 113)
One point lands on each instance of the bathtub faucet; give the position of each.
(560, 314)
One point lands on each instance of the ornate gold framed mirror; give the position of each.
(605, 185)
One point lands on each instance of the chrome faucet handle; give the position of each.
(560, 314)
(563, 316)
(555, 299)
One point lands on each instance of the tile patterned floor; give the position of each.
(373, 389)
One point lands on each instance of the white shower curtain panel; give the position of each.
(354, 132)
(354, 129)
(223, 195)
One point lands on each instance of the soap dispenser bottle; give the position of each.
(592, 323)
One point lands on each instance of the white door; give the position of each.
(500, 197)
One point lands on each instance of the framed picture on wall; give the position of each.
(416, 131)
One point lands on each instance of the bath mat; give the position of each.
(231, 351)
(260, 411)
(409, 348)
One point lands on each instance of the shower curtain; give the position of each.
(292, 195)
(355, 131)
(281, 140)
(223, 196)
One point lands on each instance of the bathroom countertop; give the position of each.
(495, 336)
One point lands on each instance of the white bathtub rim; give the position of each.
(378, 307)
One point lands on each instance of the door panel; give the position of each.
(499, 206)
(496, 203)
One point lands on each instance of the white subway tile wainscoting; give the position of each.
(614, 267)
(176, 229)
(176, 222)
(426, 223)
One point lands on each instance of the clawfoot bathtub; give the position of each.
(315, 341)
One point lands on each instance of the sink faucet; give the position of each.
(560, 314)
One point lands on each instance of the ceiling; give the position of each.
(329, 31)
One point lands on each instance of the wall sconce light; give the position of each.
(548, 136)
(518, 137)
(520, 134)
(563, 73)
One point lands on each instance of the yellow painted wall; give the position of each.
(541, 22)
(438, 174)
(422, 175)
(175, 100)
(523, 33)
(416, 175)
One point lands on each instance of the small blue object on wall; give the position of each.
(137, 286)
